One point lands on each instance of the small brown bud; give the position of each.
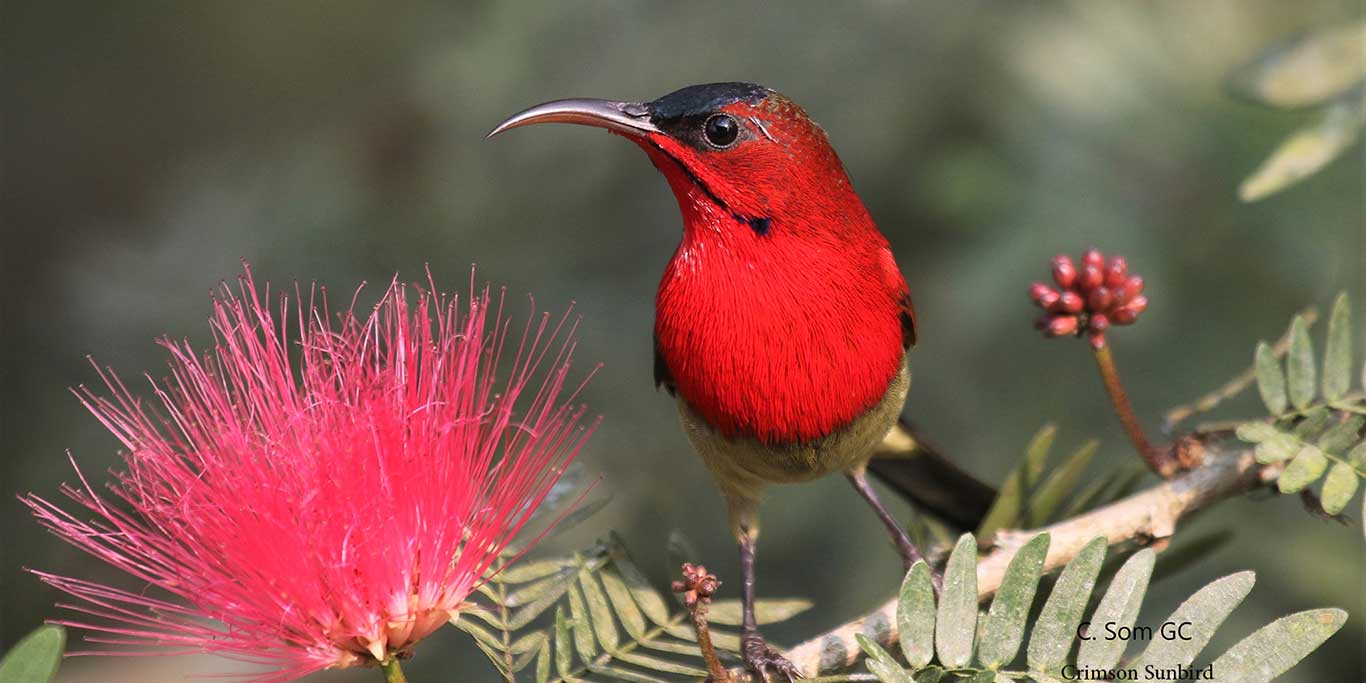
(1060, 325)
(1099, 299)
(1116, 272)
(1064, 272)
(1069, 302)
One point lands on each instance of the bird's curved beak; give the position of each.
(629, 118)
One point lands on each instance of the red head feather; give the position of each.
(782, 315)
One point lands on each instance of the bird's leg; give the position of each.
(909, 553)
(756, 653)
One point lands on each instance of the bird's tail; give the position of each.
(906, 462)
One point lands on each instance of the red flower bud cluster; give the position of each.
(696, 585)
(1089, 299)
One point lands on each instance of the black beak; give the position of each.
(630, 118)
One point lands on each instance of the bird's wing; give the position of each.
(662, 376)
(891, 277)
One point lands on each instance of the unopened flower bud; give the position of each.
(1132, 287)
(1069, 302)
(1099, 322)
(1093, 257)
(1099, 299)
(1116, 272)
(1091, 277)
(1040, 292)
(1123, 316)
(1064, 271)
(1137, 304)
(1097, 340)
(1060, 325)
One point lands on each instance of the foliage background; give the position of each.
(148, 146)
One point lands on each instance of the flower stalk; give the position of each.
(1157, 459)
(698, 586)
(393, 671)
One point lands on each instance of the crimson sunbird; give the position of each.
(782, 321)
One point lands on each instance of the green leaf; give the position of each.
(582, 628)
(543, 602)
(661, 665)
(1299, 365)
(1357, 456)
(1304, 470)
(524, 572)
(1256, 432)
(880, 663)
(1119, 607)
(1270, 378)
(1305, 70)
(957, 618)
(915, 613)
(1308, 149)
(35, 658)
(1274, 648)
(768, 611)
(1057, 623)
(1060, 485)
(553, 585)
(564, 655)
(620, 674)
(543, 663)
(1282, 447)
(932, 674)
(1337, 356)
(1315, 420)
(1342, 435)
(983, 677)
(1338, 488)
(1009, 613)
(603, 624)
(1204, 611)
(626, 609)
(481, 635)
(1008, 509)
(649, 599)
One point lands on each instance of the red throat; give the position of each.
(782, 315)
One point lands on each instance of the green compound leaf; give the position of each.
(915, 616)
(1256, 432)
(1305, 70)
(1305, 469)
(1120, 608)
(880, 663)
(956, 625)
(1059, 485)
(1057, 624)
(1337, 356)
(1009, 508)
(1338, 488)
(1274, 648)
(1006, 620)
(1342, 435)
(1308, 149)
(1299, 365)
(768, 611)
(1204, 611)
(1270, 379)
(35, 658)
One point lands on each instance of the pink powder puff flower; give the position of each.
(324, 501)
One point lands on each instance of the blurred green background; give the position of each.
(148, 146)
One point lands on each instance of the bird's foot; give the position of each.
(761, 659)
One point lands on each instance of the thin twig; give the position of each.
(1235, 386)
(1148, 517)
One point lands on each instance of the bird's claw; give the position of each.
(760, 659)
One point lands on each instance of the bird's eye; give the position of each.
(721, 130)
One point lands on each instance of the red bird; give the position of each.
(782, 321)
